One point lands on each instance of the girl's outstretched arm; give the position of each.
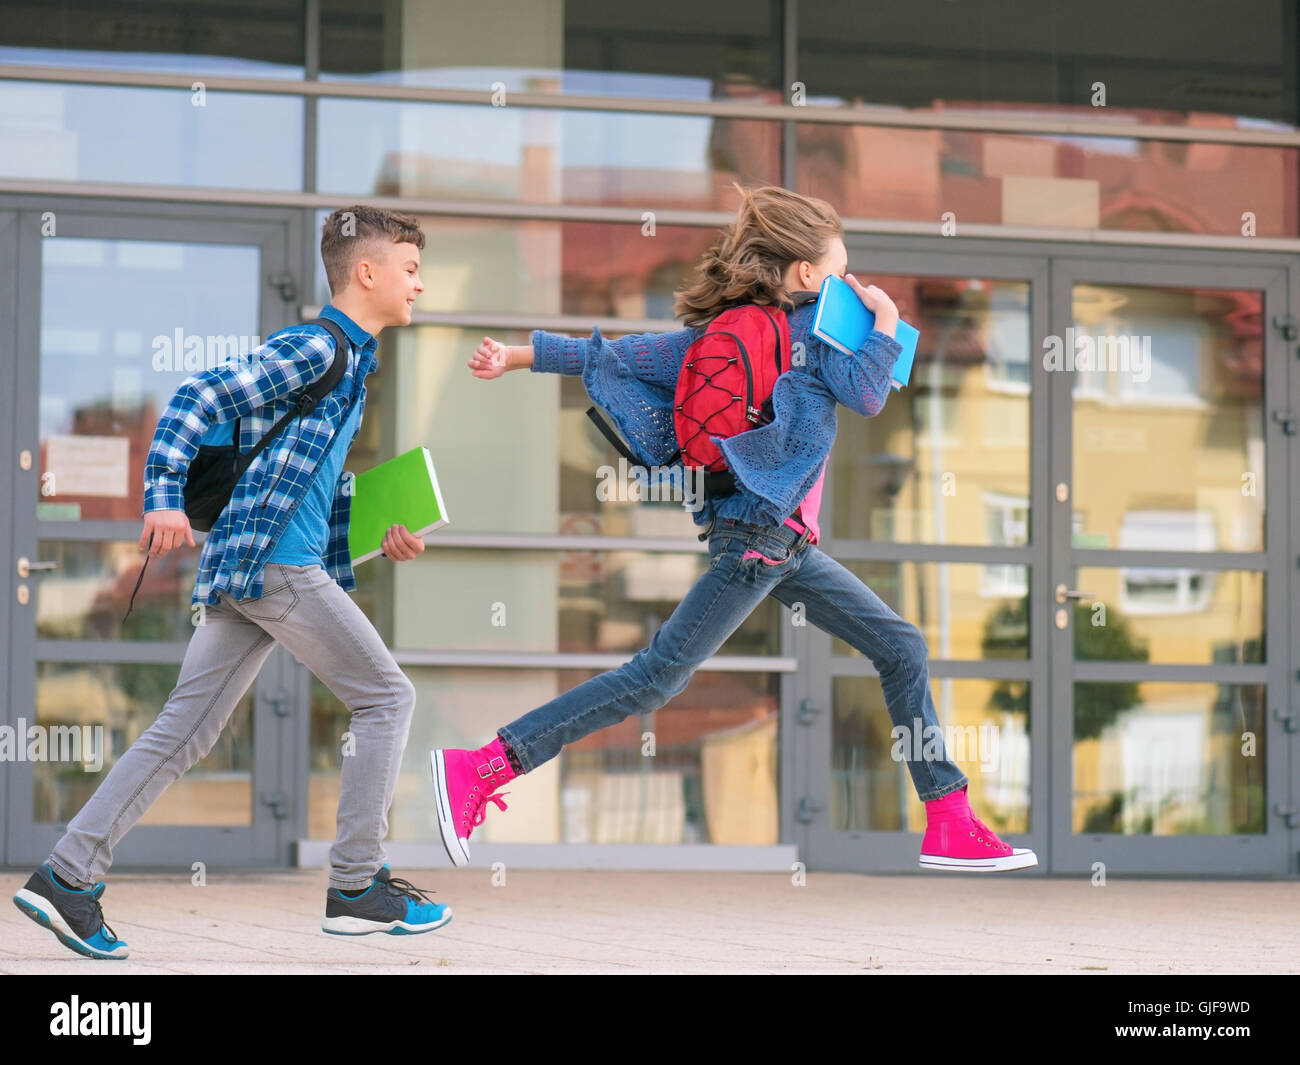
(654, 358)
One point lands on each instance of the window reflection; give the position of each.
(123, 323)
(187, 36)
(985, 727)
(1163, 758)
(947, 459)
(227, 140)
(706, 773)
(1186, 415)
(962, 610)
(1010, 179)
(476, 152)
(118, 701)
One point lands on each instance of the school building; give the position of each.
(1085, 497)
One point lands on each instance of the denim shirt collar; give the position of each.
(365, 344)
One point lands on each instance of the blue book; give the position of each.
(844, 323)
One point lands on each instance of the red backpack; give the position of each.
(724, 387)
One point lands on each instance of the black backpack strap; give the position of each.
(607, 431)
(309, 396)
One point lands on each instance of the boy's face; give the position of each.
(396, 272)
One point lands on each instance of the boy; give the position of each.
(275, 569)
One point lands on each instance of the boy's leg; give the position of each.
(221, 662)
(837, 602)
(712, 610)
(320, 625)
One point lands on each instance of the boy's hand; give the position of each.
(400, 544)
(168, 529)
(491, 359)
(878, 303)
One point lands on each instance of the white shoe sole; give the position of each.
(358, 926)
(47, 916)
(1019, 858)
(457, 848)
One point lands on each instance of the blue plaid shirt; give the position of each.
(258, 390)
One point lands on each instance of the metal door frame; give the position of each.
(1044, 266)
(1251, 855)
(279, 692)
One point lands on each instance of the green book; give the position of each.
(401, 491)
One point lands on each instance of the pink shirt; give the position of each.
(807, 512)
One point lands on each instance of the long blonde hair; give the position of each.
(773, 228)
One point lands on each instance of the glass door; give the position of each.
(929, 503)
(1169, 567)
(114, 311)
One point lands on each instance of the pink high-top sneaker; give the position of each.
(463, 783)
(956, 839)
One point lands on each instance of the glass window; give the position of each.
(678, 49)
(86, 597)
(984, 728)
(187, 36)
(579, 602)
(1056, 56)
(486, 266)
(478, 152)
(1168, 392)
(947, 459)
(123, 323)
(1197, 617)
(101, 709)
(1159, 758)
(228, 140)
(960, 611)
(701, 769)
(957, 177)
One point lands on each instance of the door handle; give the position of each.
(26, 567)
(1063, 593)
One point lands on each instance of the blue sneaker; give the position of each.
(387, 905)
(74, 916)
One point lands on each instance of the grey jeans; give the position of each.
(305, 611)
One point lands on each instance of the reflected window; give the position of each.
(188, 36)
(1166, 591)
(678, 49)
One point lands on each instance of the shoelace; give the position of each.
(103, 925)
(478, 806)
(988, 837)
(406, 889)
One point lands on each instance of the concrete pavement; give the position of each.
(634, 922)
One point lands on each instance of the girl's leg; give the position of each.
(727, 593)
(713, 609)
(837, 602)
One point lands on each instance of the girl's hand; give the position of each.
(878, 303)
(491, 359)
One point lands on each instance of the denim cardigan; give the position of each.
(776, 465)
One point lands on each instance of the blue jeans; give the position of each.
(791, 572)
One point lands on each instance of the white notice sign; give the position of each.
(86, 466)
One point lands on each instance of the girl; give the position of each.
(761, 537)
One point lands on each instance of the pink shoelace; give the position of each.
(989, 837)
(477, 807)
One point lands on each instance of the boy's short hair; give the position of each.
(350, 232)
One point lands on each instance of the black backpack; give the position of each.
(216, 469)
